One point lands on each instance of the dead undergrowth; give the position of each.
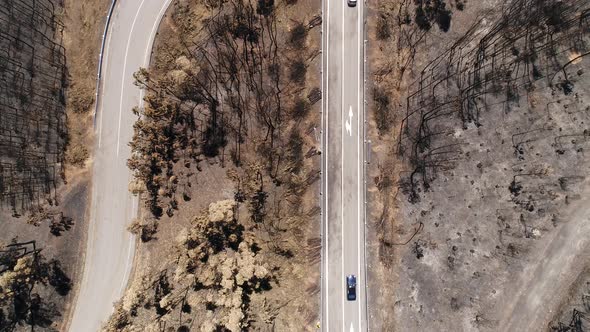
(229, 119)
(479, 135)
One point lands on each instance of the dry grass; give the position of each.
(288, 236)
(83, 22)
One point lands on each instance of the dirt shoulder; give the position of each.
(83, 26)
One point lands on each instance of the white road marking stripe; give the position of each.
(342, 287)
(348, 123)
(326, 193)
(135, 200)
(123, 76)
(149, 47)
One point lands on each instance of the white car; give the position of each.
(351, 3)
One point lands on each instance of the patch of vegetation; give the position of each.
(218, 269)
(298, 35)
(428, 12)
(28, 283)
(77, 155)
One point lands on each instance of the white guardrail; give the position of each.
(100, 55)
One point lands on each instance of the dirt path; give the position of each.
(559, 262)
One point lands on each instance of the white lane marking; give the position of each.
(149, 47)
(343, 286)
(358, 173)
(351, 328)
(326, 191)
(348, 123)
(135, 200)
(125, 279)
(134, 212)
(130, 249)
(124, 71)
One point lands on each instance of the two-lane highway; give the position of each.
(343, 166)
(110, 247)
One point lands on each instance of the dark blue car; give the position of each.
(351, 287)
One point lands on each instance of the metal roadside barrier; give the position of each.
(100, 55)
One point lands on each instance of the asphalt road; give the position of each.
(110, 247)
(343, 167)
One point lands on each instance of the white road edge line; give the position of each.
(124, 71)
(135, 199)
(326, 191)
(148, 50)
(125, 280)
(133, 211)
(342, 287)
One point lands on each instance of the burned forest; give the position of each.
(481, 169)
(229, 123)
(33, 135)
(43, 176)
(32, 116)
(519, 55)
(228, 88)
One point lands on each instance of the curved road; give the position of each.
(109, 251)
